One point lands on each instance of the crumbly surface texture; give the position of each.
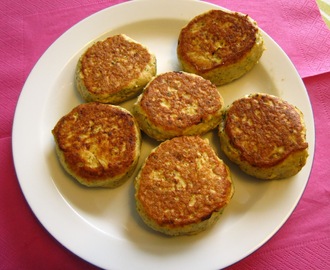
(176, 104)
(265, 136)
(183, 187)
(98, 144)
(220, 45)
(114, 70)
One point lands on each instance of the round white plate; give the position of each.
(101, 225)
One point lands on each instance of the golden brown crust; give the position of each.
(216, 34)
(182, 184)
(178, 103)
(260, 125)
(114, 70)
(97, 143)
(219, 42)
(265, 136)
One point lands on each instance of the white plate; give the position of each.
(101, 225)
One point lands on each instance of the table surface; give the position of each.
(297, 26)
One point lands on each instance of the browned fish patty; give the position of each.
(178, 103)
(265, 136)
(98, 144)
(183, 187)
(220, 46)
(114, 70)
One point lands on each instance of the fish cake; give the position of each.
(220, 46)
(183, 187)
(176, 104)
(98, 144)
(114, 70)
(265, 136)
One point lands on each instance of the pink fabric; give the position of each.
(296, 25)
(29, 27)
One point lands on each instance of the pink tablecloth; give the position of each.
(29, 27)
